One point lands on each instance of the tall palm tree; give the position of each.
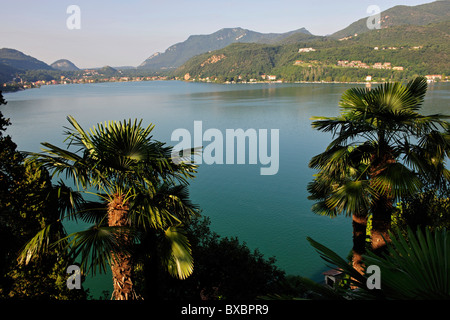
(381, 145)
(140, 188)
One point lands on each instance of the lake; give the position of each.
(268, 212)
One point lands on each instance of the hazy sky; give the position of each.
(125, 33)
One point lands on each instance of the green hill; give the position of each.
(236, 59)
(424, 14)
(108, 71)
(418, 50)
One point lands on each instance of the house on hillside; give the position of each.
(433, 77)
(268, 77)
(306, 50)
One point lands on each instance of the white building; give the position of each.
(306, 50)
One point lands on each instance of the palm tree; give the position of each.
(140, 188)
(341, 187)
(381, 145)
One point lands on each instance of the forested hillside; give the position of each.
(394, 53)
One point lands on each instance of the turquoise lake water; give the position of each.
(268, 212)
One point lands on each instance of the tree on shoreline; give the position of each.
(381, 148)
(140, 190)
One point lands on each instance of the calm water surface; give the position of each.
(270, 213)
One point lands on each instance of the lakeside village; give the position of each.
(88, 76)
(94, 76)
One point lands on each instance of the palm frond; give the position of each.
(322, 209)
(352, 197)
(93, 212)
(396, 180)
(77, 136)
(354, 99)
(334, 261)
(59, 161)
(97, 246)
(418, 88)
(41, 243)
(164, 206)
(416, 267)
(69, 201)
(178, 256)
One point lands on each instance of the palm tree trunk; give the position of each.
(381, 223)
(383, 203)
(359, 223)
(122, 264)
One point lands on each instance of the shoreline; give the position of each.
(367, 83)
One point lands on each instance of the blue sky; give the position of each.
(119, 33)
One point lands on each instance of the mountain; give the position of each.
(413, 49)
(64, 65)
(20, 61)
(433, 12)
(7, 73)
(179, 53)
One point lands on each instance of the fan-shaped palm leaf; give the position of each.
(42, 243)
(416, 267)
(352, 197)
(97, 245)
(413, 267)
(396, 180)
(178, 258)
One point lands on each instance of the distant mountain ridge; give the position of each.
(205, 49)
(179, 53)
(20, 61)
(411, 49)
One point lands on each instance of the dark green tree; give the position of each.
(430, 208)
(225, 268)
(28, 201)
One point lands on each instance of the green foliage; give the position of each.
(224, 268)
(108, 71)
(236, 59)
(432, 12)
(430, 208)
(178, 253)
(28, 202)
